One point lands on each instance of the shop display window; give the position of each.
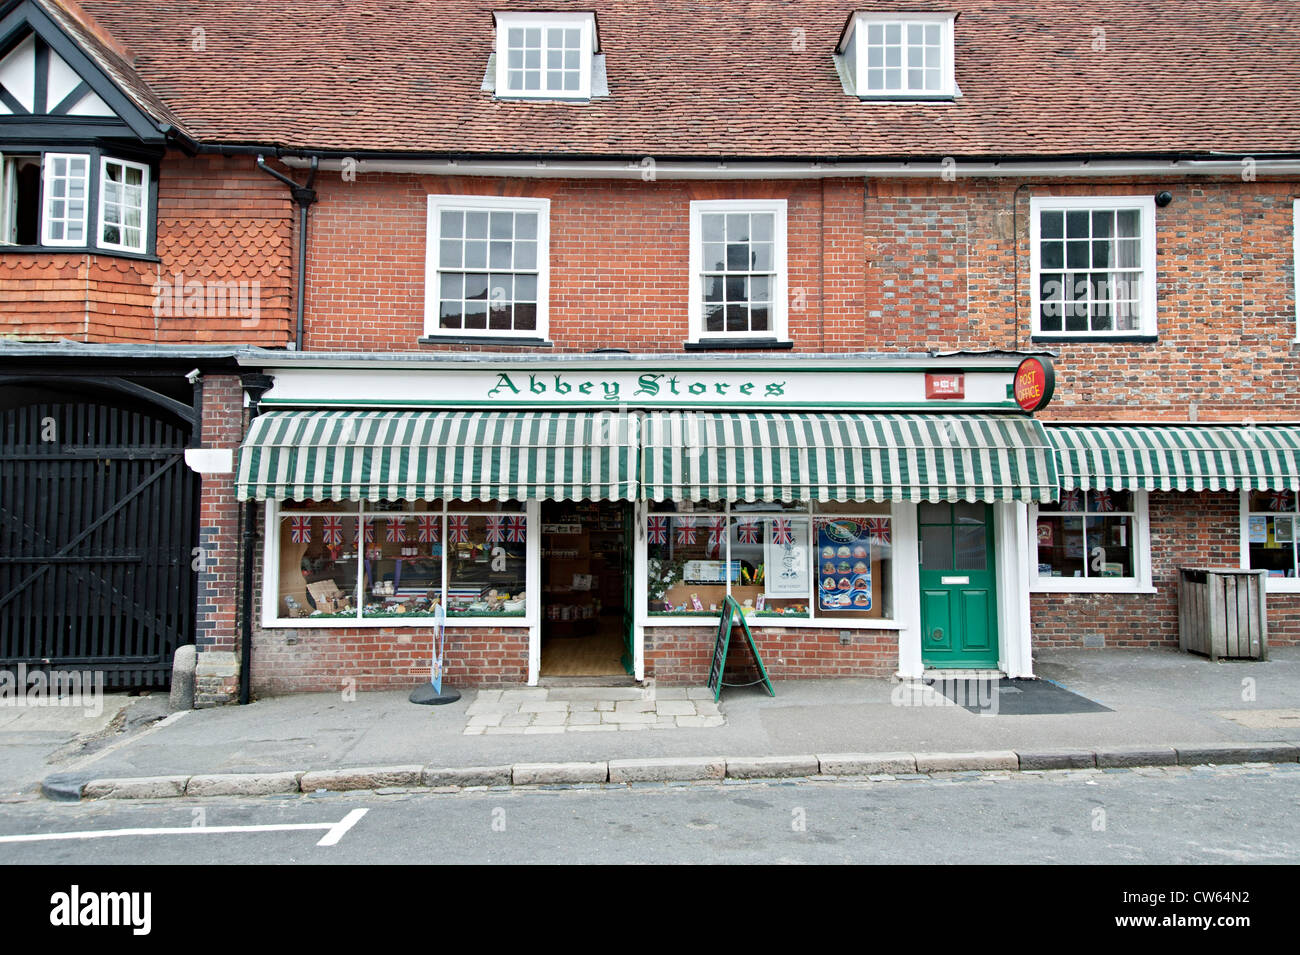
(1271, 525)
(399, 560)
(1086, 535)
(768, 557)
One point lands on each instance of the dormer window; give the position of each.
(545, 55)
(900, 55)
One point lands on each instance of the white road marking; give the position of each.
(340, 828)
(334, 831)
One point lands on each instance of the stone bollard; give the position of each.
(183, 663)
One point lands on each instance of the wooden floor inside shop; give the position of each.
(595, 654)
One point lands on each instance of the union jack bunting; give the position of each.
(458, 530)
(1279, 501)
(427, 529)
(782, 532)
(516, 530)
(717, 531)
(496, 529)
(1101, 501)
(685, 530)
(1071, 501)
(878, 530)
(395, 533)
(300, 530)
(657, 530)
(370, 530)
(332, 530)
(747, 532)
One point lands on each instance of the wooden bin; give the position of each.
(1222, 612)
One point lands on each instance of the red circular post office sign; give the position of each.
(1034, 383)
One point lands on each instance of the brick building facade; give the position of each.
(911, 248)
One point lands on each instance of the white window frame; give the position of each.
(104, 162)
(47, 170)
(1141, 584)
(1146, 205)
(271, 573)
(809, 514)
(432, 269)
(1275, 585)
(947, 69)
(505, 21)
(780, 264)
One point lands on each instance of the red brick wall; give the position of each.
(618, 260)
(219, 578)
(949, 268)
(893, 264)
(337, 658)
(681, 656)
(1201, 530)
(219, 220)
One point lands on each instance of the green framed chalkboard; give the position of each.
(731, 613)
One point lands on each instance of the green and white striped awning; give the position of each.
(842, 457)
(460, 455)
(1177, 457)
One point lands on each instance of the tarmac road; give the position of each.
(1175, 815)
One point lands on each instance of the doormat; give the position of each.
(1018, 698)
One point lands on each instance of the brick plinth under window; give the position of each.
(681, 656)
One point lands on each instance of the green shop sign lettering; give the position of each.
(650, 385)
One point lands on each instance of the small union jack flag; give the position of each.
(1279, 501)
(657, 530)
(878, 530)
(396, 531)
(1102, 501)
(370, 530)
(332, 530)
(300, 530)
(458, 530)
(427, 529)
(1070, 501)
(517, 530)
(685, 530)
(717, 530)
(496, 530)
(782, 532)
(747, 532)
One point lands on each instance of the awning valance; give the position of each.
(1177, 458)
(455, 455)
(842, 457)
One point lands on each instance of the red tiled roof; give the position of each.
(717, 79)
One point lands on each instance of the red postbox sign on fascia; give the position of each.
(945, 384)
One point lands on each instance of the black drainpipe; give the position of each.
(303, 197)
(256, 386)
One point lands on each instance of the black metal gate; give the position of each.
(97, 530)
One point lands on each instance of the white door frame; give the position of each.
(1010, 542)
(533, 577)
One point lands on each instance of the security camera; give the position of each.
(194, 376)
(1164, 198)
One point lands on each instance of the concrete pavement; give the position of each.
(1156, 699)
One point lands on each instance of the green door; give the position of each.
(629, 612)
(959, 612)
